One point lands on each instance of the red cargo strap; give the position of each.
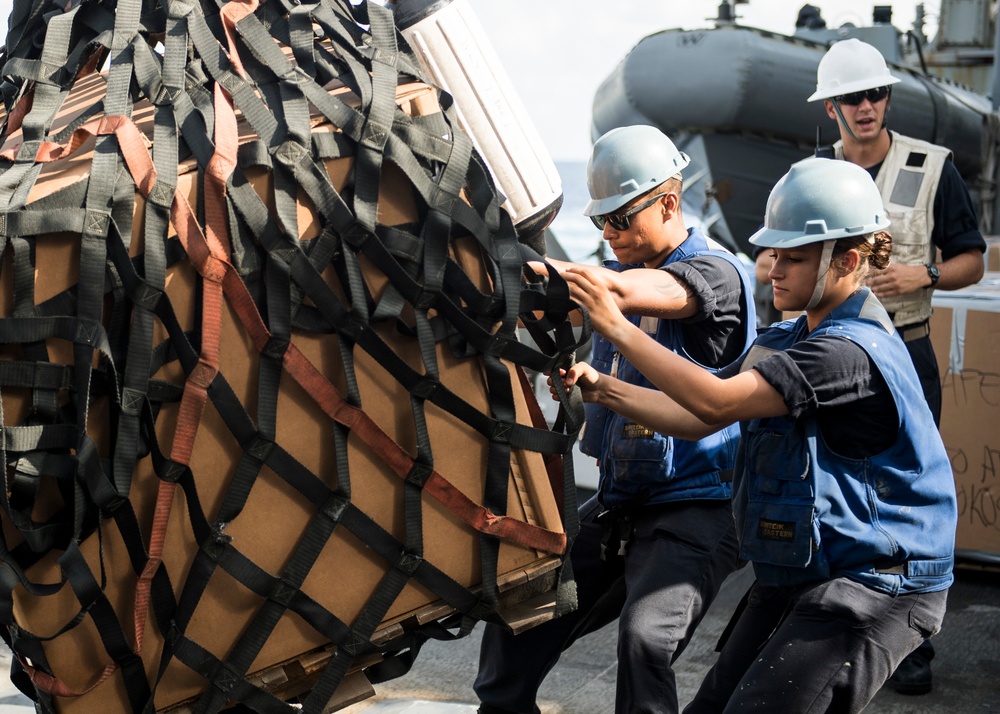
(45, 682)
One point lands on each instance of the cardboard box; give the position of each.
(276, 516)
(965, 330)
(992, 256)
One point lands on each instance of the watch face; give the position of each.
(935, 274)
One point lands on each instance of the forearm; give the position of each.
(711, 400)
(656, 293)
(903, 279)
(639, 291)
(651, 408)
(691, 386)
(707, 397)
(961, 270)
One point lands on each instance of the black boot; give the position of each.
(487, 709)
(913, 675)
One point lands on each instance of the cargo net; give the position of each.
(265, 422)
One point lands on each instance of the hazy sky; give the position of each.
(556, 52)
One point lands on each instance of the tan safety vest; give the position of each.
(908, 181)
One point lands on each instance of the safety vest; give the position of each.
(638, 464)
(805, 513)
(908, 181)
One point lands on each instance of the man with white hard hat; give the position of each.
(932, 215)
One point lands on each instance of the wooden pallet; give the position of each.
(527, 599)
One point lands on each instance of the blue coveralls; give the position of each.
(853, 557)
(681, 542)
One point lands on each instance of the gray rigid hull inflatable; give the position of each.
(741, 92)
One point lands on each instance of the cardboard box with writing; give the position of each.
(965, 330)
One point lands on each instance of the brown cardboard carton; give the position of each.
(992, 256)
(965, 330)
(276, 517)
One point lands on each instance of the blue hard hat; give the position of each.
(628, 162)
(821, 199)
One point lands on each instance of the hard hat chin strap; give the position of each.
(824, 268)
(840, 117)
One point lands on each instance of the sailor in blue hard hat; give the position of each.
(657, 540)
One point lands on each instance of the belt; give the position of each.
(915, 332)
(889, 568)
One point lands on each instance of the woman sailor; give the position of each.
(844, 498)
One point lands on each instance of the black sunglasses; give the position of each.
(619, 221)
(855, 98)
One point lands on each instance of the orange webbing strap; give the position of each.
(45, 682)
(17, 113)
(217, 270)
(216, 239)
(216, 244)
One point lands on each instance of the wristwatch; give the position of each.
(934, 273)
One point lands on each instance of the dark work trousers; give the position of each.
(826, 647)
(675, 562)
(924, 360)
(922, 354)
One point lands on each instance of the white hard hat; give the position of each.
(850, 66)
(821, 199)
(627, 162)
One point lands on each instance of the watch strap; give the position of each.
(934, 273)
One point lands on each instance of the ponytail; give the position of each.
(874, 249)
